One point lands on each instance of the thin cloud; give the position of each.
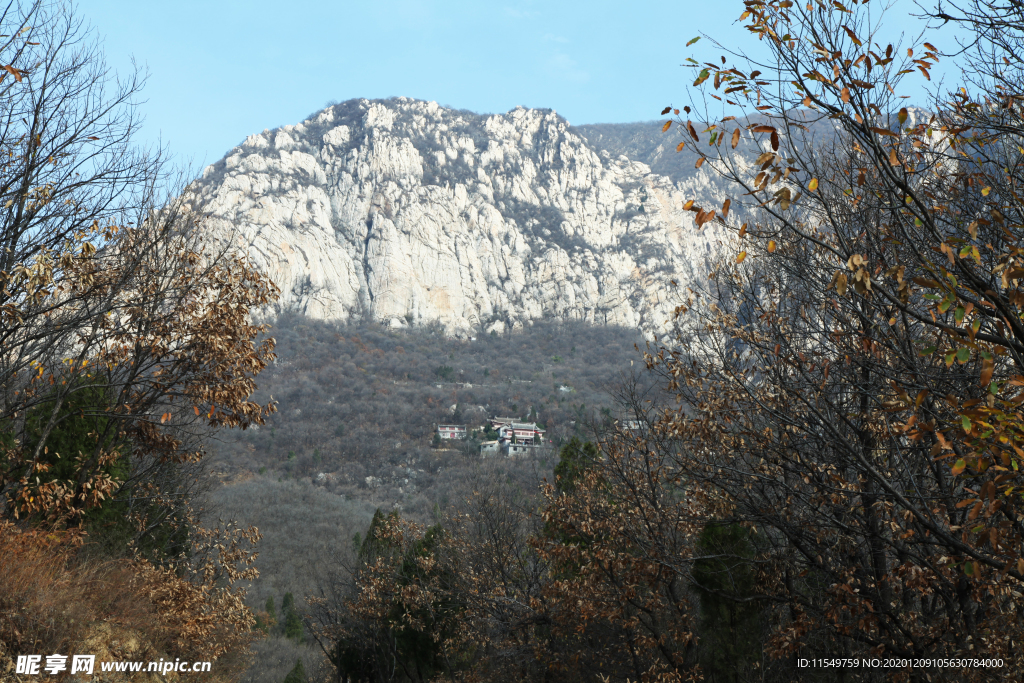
(562, 67)
(519, 13)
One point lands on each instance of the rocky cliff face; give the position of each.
(407, 212)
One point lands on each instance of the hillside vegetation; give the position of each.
(359, 404)
(357, 410)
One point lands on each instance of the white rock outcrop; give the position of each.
(408, 212)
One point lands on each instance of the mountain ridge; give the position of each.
(406, 212)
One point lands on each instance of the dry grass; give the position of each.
(49, 597)
(55, 598)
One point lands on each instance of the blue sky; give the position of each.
(220, 70)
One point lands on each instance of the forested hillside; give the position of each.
(359, 404)
(357, 410)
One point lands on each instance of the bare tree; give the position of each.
(124, 337)
(848, 377)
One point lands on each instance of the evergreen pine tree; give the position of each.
(574, 458)
(729, 618)
(297, 674)
(266, 624)
(292, 621)
(83, 426)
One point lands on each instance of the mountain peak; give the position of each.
(406, 212)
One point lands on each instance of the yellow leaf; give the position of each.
(742, 255)
(893, 159)
(771, 246)
(679, 147)
(665, 127)
(984, 192)
(813, 185)
(987, 367)
(14, 72)
(841, 283)
(165, 417)
(688, 205)
(853, 36)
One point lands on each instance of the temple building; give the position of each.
(517, 432)
(451, 431)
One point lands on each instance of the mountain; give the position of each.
(406, 212)
(643, 141)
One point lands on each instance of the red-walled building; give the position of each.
(451, 431)
(518, 432)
